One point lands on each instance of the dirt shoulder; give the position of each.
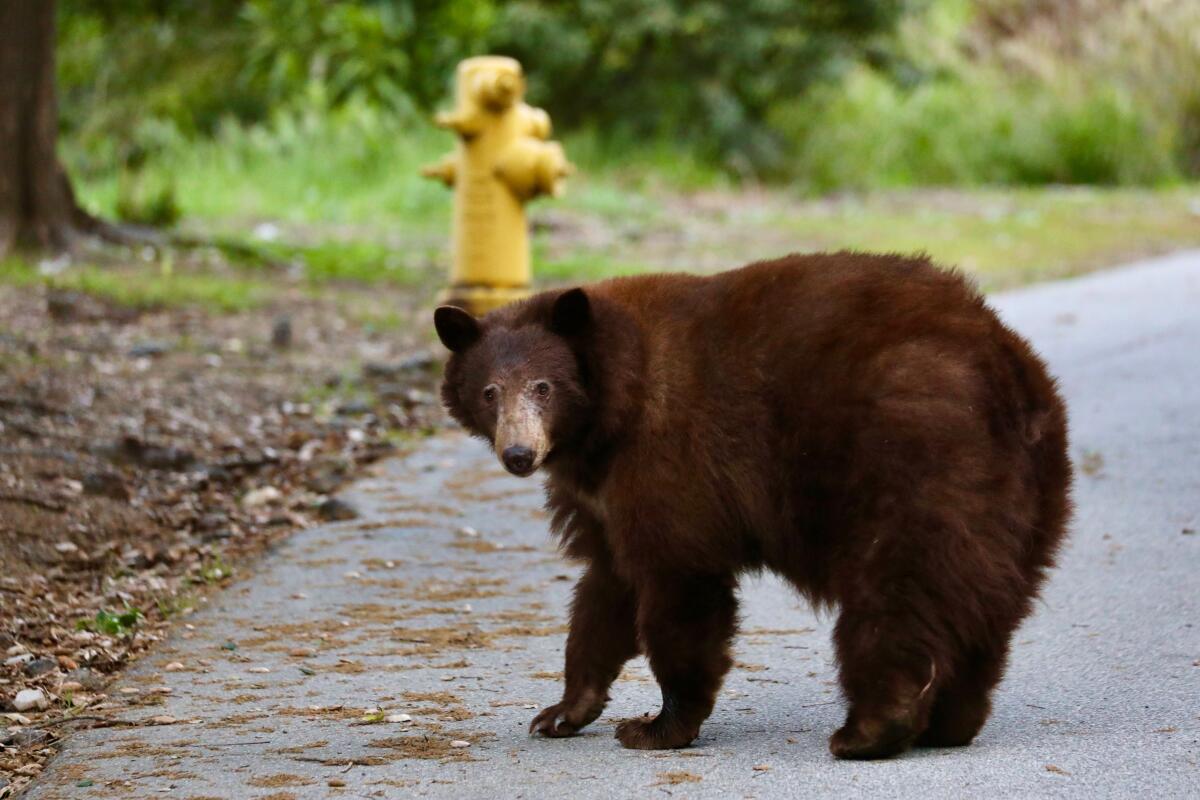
(147, 455)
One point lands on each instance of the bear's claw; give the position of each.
(563, 719)
(551, 722)
(653, 733)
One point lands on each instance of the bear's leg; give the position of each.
(685, 625)
(889, 680)
(601, 639)
(964, 703)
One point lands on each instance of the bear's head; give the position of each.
(516, 377)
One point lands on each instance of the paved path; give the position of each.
(406, 611)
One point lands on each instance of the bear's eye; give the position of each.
(542, 388)
(489, 394)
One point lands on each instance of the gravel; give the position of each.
(400, 613)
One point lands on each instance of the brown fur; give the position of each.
(862, 425)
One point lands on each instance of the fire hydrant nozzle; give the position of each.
(503, 160)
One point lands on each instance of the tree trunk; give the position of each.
(37, 206)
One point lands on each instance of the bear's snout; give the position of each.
(518, 460)
(522, 440)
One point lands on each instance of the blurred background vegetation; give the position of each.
(305, 121)
(828, 93)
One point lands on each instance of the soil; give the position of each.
(148, 455)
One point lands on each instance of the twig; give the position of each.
(44, 452)
(32, 501)
(333, 762)
(31, 404)
(231, 744)
(64, 720)
(110, 722)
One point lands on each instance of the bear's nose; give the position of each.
(518, 459)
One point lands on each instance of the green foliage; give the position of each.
(395, 55)
(358, 168)
(146, 201)
(317, 109)
(215, 291)
(112, 624)
(215, 571)
(132, 75)
(359, 261)
(175, 605)
(1020, 92)
(981, 129)
(706, 73)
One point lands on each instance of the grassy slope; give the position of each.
(346, 202)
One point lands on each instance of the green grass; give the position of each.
(1004, 237)
(1011, 237)
(345, 203)
(586, 267)
(146, 287)
(366, 262)
(358, 171)
(347, 169)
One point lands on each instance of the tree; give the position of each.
(37, 206)
(709, 72)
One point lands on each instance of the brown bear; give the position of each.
(862, 425)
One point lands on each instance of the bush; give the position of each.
(978, 129)
(833, 93)
(394, 55)
(705, 73)
(146, 201)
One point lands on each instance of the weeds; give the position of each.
(215, 571)
(112, 624)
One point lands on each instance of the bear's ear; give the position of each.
(457, 329)
(572, 313)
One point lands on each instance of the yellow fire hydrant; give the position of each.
(503, 160)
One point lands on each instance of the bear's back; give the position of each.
(782, 324)
(802, 292)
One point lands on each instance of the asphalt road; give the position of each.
(406, 611)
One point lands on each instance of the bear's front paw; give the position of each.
(658, 733)
(562, 719)
(876, 739)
